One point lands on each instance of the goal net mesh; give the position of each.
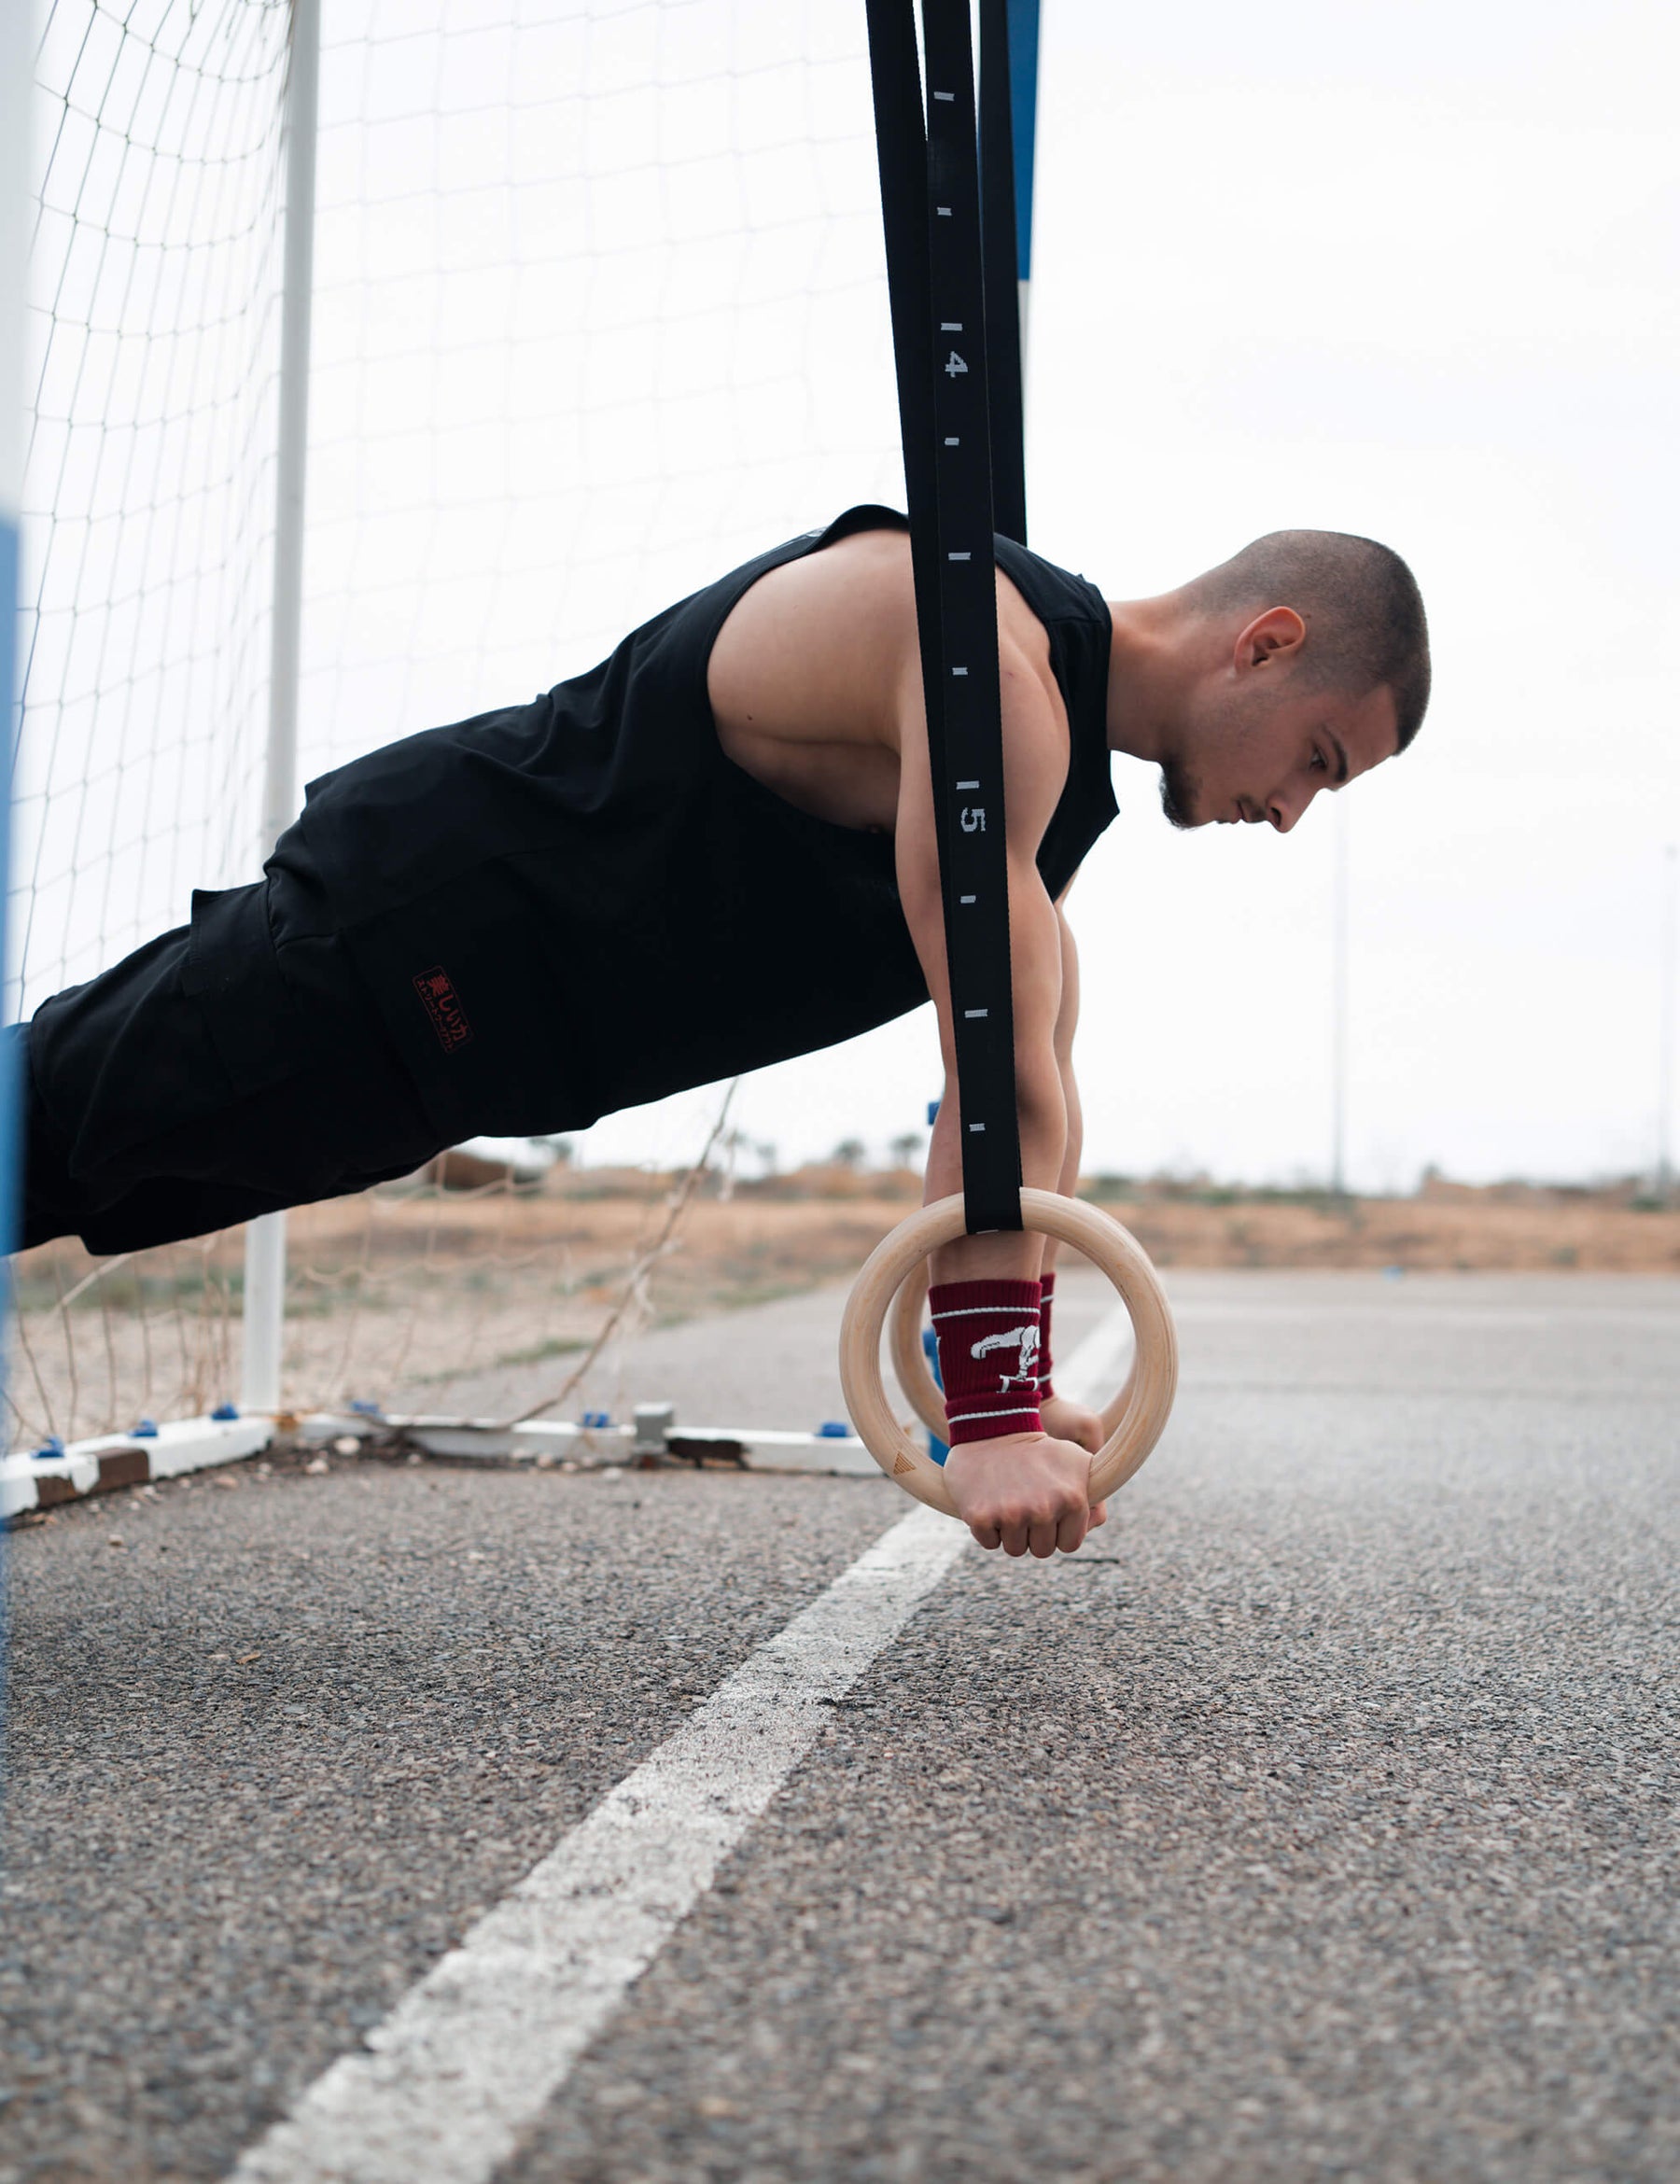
(598, 311)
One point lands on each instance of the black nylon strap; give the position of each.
(930, 210)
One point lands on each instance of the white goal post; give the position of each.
(264, 1315)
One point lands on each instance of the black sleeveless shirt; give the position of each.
(572, 906)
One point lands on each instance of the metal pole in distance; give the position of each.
(1665, 1031)
(265, 1237)
(1338, 1005)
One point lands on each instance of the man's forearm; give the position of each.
(1009, 1254)
(1067, 1182)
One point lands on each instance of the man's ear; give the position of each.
(1270, 638)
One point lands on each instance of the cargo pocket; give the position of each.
(234, 975)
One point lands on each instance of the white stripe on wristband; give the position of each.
(969, 1417)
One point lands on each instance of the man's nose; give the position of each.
(1284, 808)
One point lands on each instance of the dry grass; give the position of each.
(1482, 1236)
(397, 1295)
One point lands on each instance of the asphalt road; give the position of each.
(1316, 1821)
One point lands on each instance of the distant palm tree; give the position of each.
(849, 1152)
(905, 1149)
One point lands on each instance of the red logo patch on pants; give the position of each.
(443, 1005)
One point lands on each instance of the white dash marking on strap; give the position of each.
(976, 1126)
(959, 557)
(967, 898)
(474, 2053)
(958, 670)
(944, 98)
(942, 210)
(950, 326)
(967, 785)
(976, 1011)
(951, 440)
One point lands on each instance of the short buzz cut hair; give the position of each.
(1361, 604)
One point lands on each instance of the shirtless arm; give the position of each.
(1035, 966)
(1067, 1023)
(1064, 1418)
(1022, 1491)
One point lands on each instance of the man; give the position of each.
(713, 851)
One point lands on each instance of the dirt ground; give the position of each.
(397, 1295)
(1480, 1232)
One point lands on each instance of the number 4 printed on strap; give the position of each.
(954, 364)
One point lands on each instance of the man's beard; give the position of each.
(1178, 794)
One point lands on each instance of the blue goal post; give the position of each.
(1023, 115)
(17, 24)
(17, 27)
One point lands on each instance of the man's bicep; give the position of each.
(1034, 924)
(1035, 947)
(915, 854)
(1034, 768)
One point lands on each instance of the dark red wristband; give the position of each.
(1046, 1293)
(989, 1338)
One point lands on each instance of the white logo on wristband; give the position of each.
(1024, 1338)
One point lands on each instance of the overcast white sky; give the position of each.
(600, 313)
(1410, 270)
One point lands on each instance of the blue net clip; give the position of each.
(834, 1429)
(597, 1417)
(364, 1409)
(49, 1449)
(224, 1411)
(145, 1431)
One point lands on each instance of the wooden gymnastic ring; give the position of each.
(1141, 1407)
(910, 1360)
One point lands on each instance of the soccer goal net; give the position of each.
(599, 310)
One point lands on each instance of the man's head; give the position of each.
(1303, 661)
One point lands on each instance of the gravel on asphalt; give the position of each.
(1316, 1821)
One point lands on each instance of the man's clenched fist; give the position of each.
(1028, 1493)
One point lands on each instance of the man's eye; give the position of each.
(1321, 765)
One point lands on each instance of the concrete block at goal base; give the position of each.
(112, 1461)
(548, 1440)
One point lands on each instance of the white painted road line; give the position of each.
(474, 2053)
(1101, 1362)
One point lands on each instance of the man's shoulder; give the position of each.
(1031, 693)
